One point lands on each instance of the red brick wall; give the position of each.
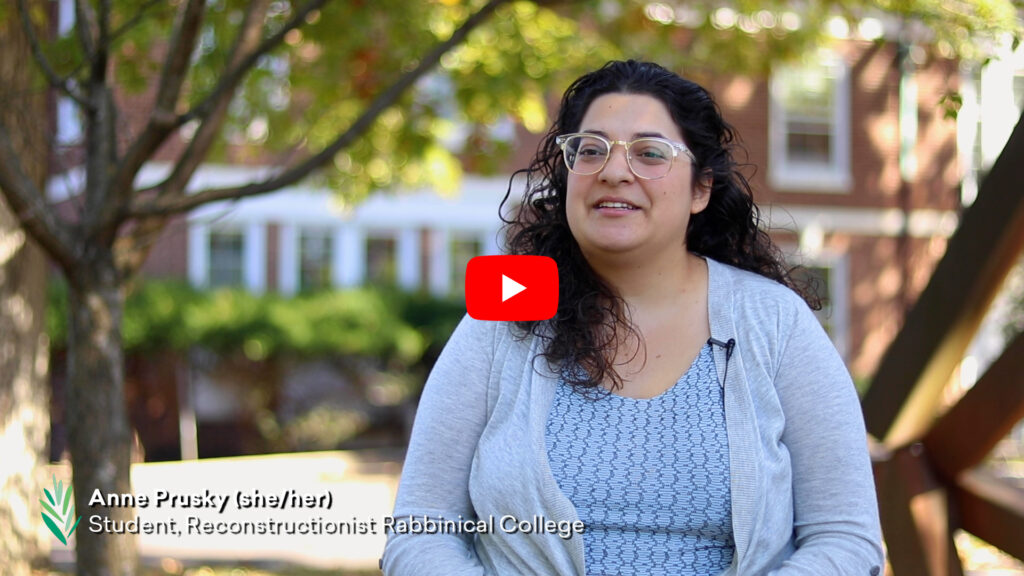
(169, 256)
(874, 122)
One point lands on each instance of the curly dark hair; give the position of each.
(586, 328)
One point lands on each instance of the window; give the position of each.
(381, 261)
(69, 122)
(315, 254)
(993, 100)
(1018, 89)
(827, 279)
(462, 251)
(226, 257)
(809, 126)
(819, 280)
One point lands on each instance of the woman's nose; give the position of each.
(617, 168)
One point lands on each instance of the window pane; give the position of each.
(381, 263)
(809, 92)
(225, 258)
(463, 250)
(818, 279)
(808, 99)
(315, 250)
(1018, 89)
(808, 148)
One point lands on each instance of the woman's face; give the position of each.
(613, 212)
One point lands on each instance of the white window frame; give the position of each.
(439, 272)
(349, 264)
(787, 175)
(254, 253)
(407, 258)
(988, 115)
(231, 231)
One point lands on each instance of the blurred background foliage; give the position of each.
(397, 329)
(378, 345)
(322, 77)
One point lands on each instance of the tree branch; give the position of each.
(247, 41)
(215, 104)
(114, 36)
(29, 207)
(132, 247)
(63, 85)
(134, 20)
(162, 120)
(234, 74)
(104, 21)
(180, 202)
(103, 32)
(85, 22)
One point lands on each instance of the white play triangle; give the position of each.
(510, 287)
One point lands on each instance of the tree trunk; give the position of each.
(24, 399)
(98, 431)
(24, 383)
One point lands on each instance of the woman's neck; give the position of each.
(651, 283)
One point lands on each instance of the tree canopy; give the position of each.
(292, 78)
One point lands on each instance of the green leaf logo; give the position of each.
(60, 500)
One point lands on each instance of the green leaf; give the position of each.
(75, 526)
(50, 510)
(55, 530)
(48, 497)
(67, 499)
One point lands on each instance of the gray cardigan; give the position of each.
(803, 498)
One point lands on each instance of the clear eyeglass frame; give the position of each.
(676, 147)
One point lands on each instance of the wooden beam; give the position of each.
(992, 509)
(985, 415)
(914, 510)
(904, 395)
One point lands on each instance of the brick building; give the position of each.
(854, 164)
(856, 169)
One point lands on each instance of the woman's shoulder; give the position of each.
(497, 336)
(746, 290)
(473, 332)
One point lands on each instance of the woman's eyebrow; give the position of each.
(634, 137)
(648, 135)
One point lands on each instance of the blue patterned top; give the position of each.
(648, 477)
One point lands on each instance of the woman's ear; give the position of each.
(702, 191)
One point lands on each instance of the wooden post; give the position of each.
(903, 399)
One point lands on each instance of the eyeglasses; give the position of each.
(649, 158)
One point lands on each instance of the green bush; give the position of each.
(394, 327)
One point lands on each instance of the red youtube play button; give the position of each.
(511, 288)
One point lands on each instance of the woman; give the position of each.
(754, 461)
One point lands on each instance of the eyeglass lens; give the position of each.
(647, 157)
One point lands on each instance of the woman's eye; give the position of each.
(591, 151)
(651, 153)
